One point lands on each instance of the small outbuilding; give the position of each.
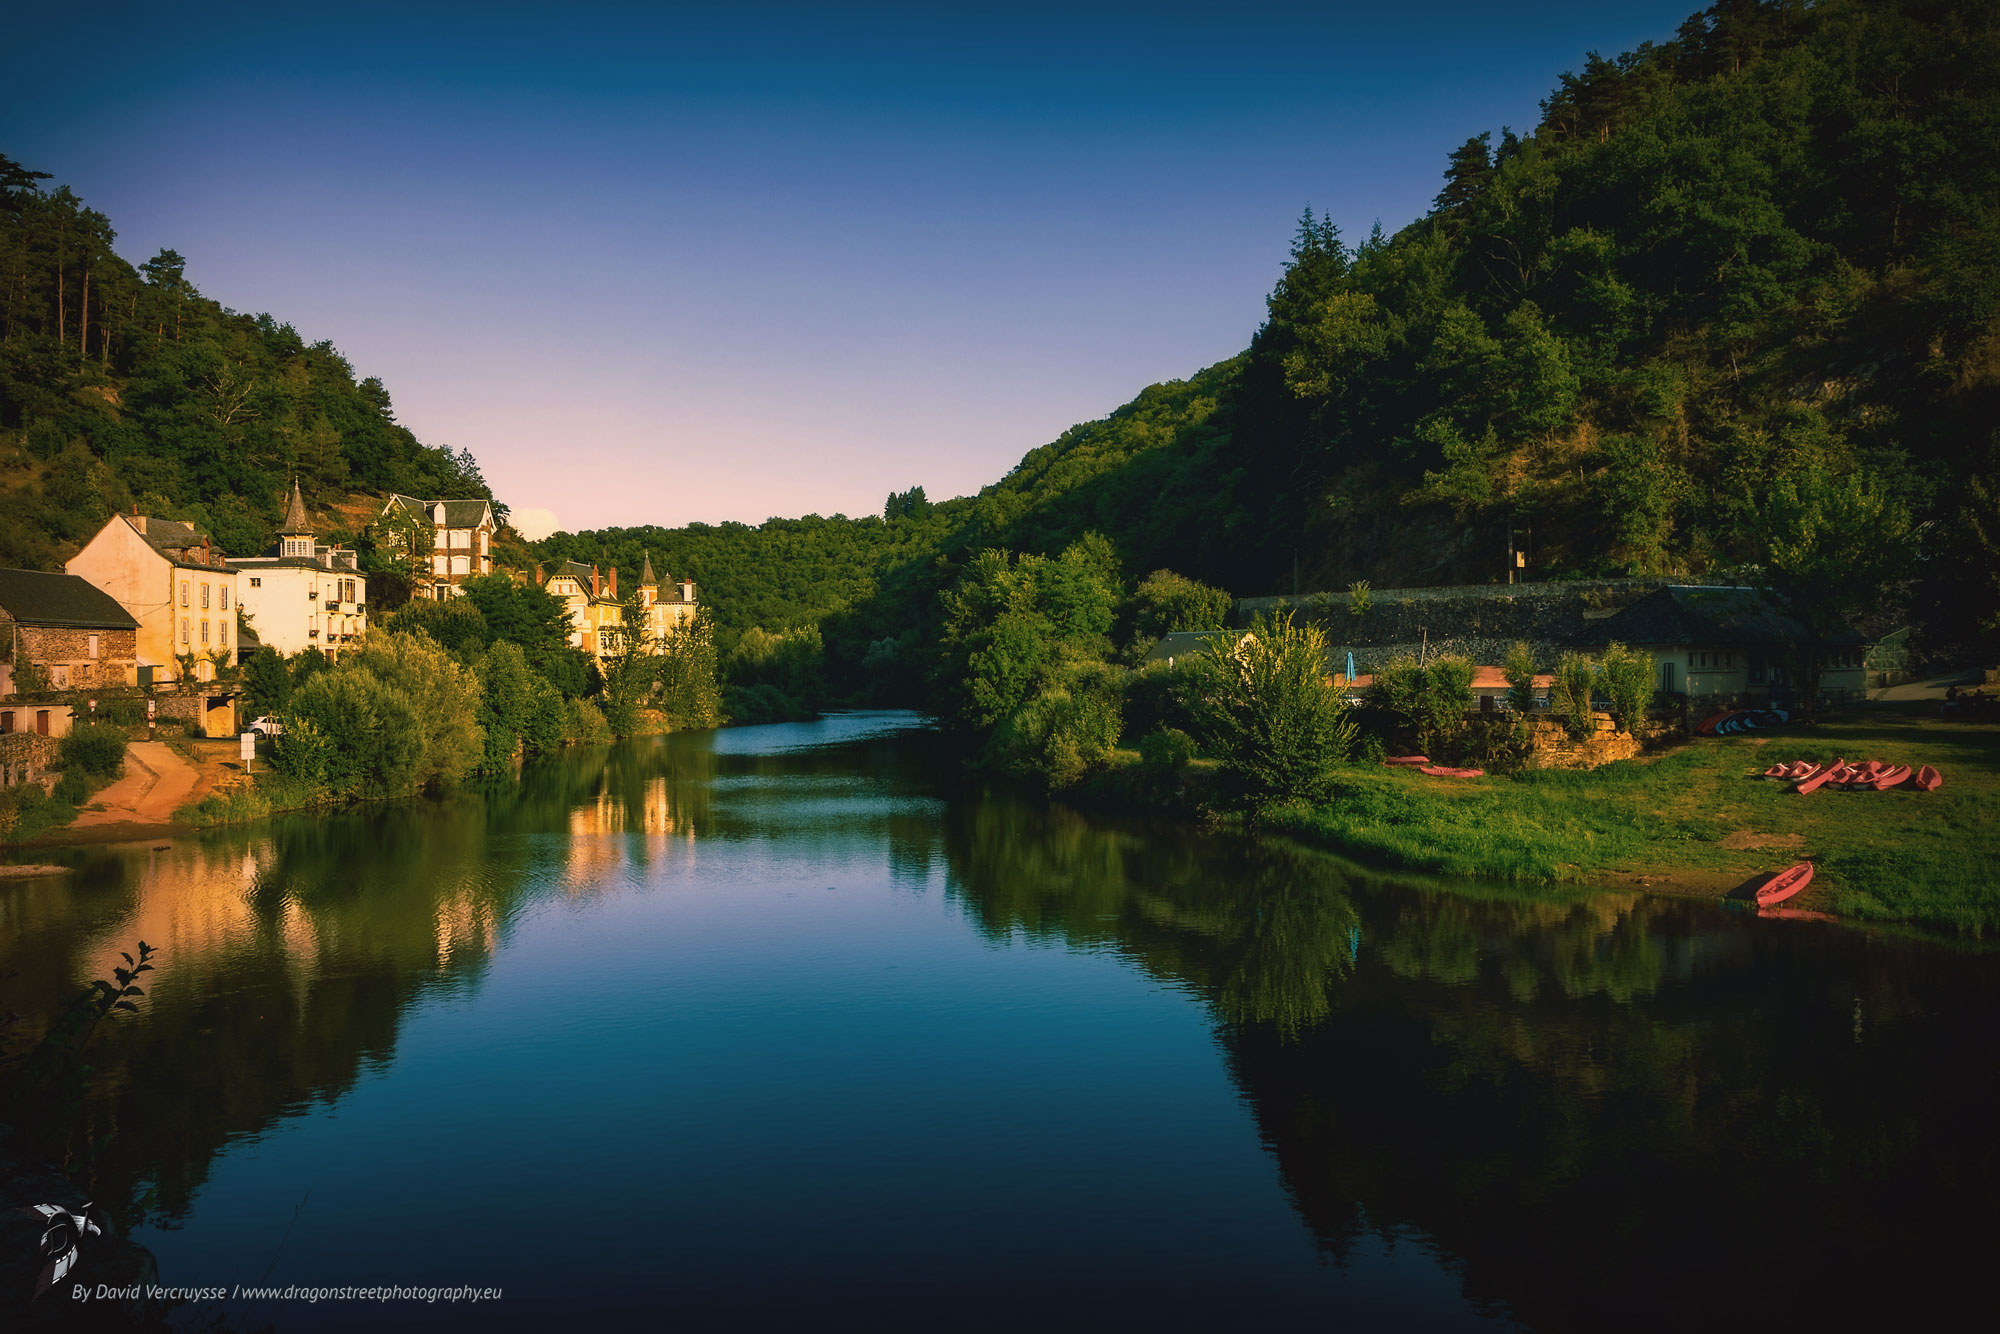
(1726, 643)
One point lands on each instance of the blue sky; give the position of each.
(655, 264)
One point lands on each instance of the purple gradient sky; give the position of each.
(655, 265)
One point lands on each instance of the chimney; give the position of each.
(593, 578)
(539, 581)
(614, 583)
(687, 590)
(138, 519)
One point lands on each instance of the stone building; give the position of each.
(60, 632)
(445, 541)
(175, 582)
(303, 594)
(1728, 644)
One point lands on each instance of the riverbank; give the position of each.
(1693, 820)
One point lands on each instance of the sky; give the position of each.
(656, 264)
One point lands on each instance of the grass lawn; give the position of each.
(1696, 820)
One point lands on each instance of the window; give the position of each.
(204, 597)
(256, 583)
(184, 592)
(225, 597)
(222, 633)
(59, 675)
(93, 646)
(482, 541)
(184, 629)
(83, 673)
(204, 629)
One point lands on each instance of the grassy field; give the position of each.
(1696, 820)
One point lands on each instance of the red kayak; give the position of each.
(1785, 884)
(1706, 727)
(1927, 779)
(1408, 759)
(1817, 779)
(1888, 778)
(1441, 771)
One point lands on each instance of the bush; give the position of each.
(73, 788)
(1429, 701)
(1570, 695)
(1519, 669)
(1060, 737)
(585, 724)
(1270, 718)
(1165, 602)
(1169, 749)
(97, 749)
(1360, 598)
(1626, 679)
(393, 717)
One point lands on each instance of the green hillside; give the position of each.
(121, 385)
(1768, 245)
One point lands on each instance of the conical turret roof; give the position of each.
(296, 523)
(646, 579)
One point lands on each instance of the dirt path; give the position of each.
(157, 782)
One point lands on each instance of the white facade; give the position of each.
(295, 606)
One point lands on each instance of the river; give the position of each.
(793, 1025)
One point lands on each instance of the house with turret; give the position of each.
(303, 594)
(591, 596)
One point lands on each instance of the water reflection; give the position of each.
(1603, 1110)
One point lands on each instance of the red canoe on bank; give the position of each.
(1785, 884)
(1888, 778)
(1813, 781)
(1927, 779)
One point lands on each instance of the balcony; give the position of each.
(333, 605)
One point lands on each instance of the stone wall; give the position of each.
(26, 758)
(1478, 621)
(51, 646)
(1552, 747)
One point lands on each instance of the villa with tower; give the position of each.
(591, 596)
(303, 594)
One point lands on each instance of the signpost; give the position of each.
(248, 744)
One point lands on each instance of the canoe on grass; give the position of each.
(1890, 777)
(1817, 779)
(1443, 771)
(1408, 759)
(1706, 726)
(1927, 779)
(1785, 884)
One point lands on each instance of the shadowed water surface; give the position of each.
(789, 1025)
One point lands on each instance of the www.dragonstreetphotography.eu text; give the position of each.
(155, 1292)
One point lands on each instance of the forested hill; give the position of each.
(121, 385)
(1765, 247)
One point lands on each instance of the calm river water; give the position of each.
(788, 1026)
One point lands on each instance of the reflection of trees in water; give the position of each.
(1643, 1097)
(1261, 934)
(1612, 1110)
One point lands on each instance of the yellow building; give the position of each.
(595, 612)
(175, 582)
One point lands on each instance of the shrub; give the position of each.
(1360, 598)
(1169, 749)
(94, 748)
(1059, 737)
(1570, 695)
(585, 724)
(1626, 679)
(1270, 718)
(393, 717)
(1429, 701)
(73, 788)
(1519, 669)
(1165, 602)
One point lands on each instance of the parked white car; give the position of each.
(267, 725)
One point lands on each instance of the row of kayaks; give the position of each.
(1868, 776)
(1732, 721)
(1422, 764)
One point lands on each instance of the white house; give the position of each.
(304, 594)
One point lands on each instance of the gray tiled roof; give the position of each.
(33, 597)
(457, 513)
(1689, 614)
